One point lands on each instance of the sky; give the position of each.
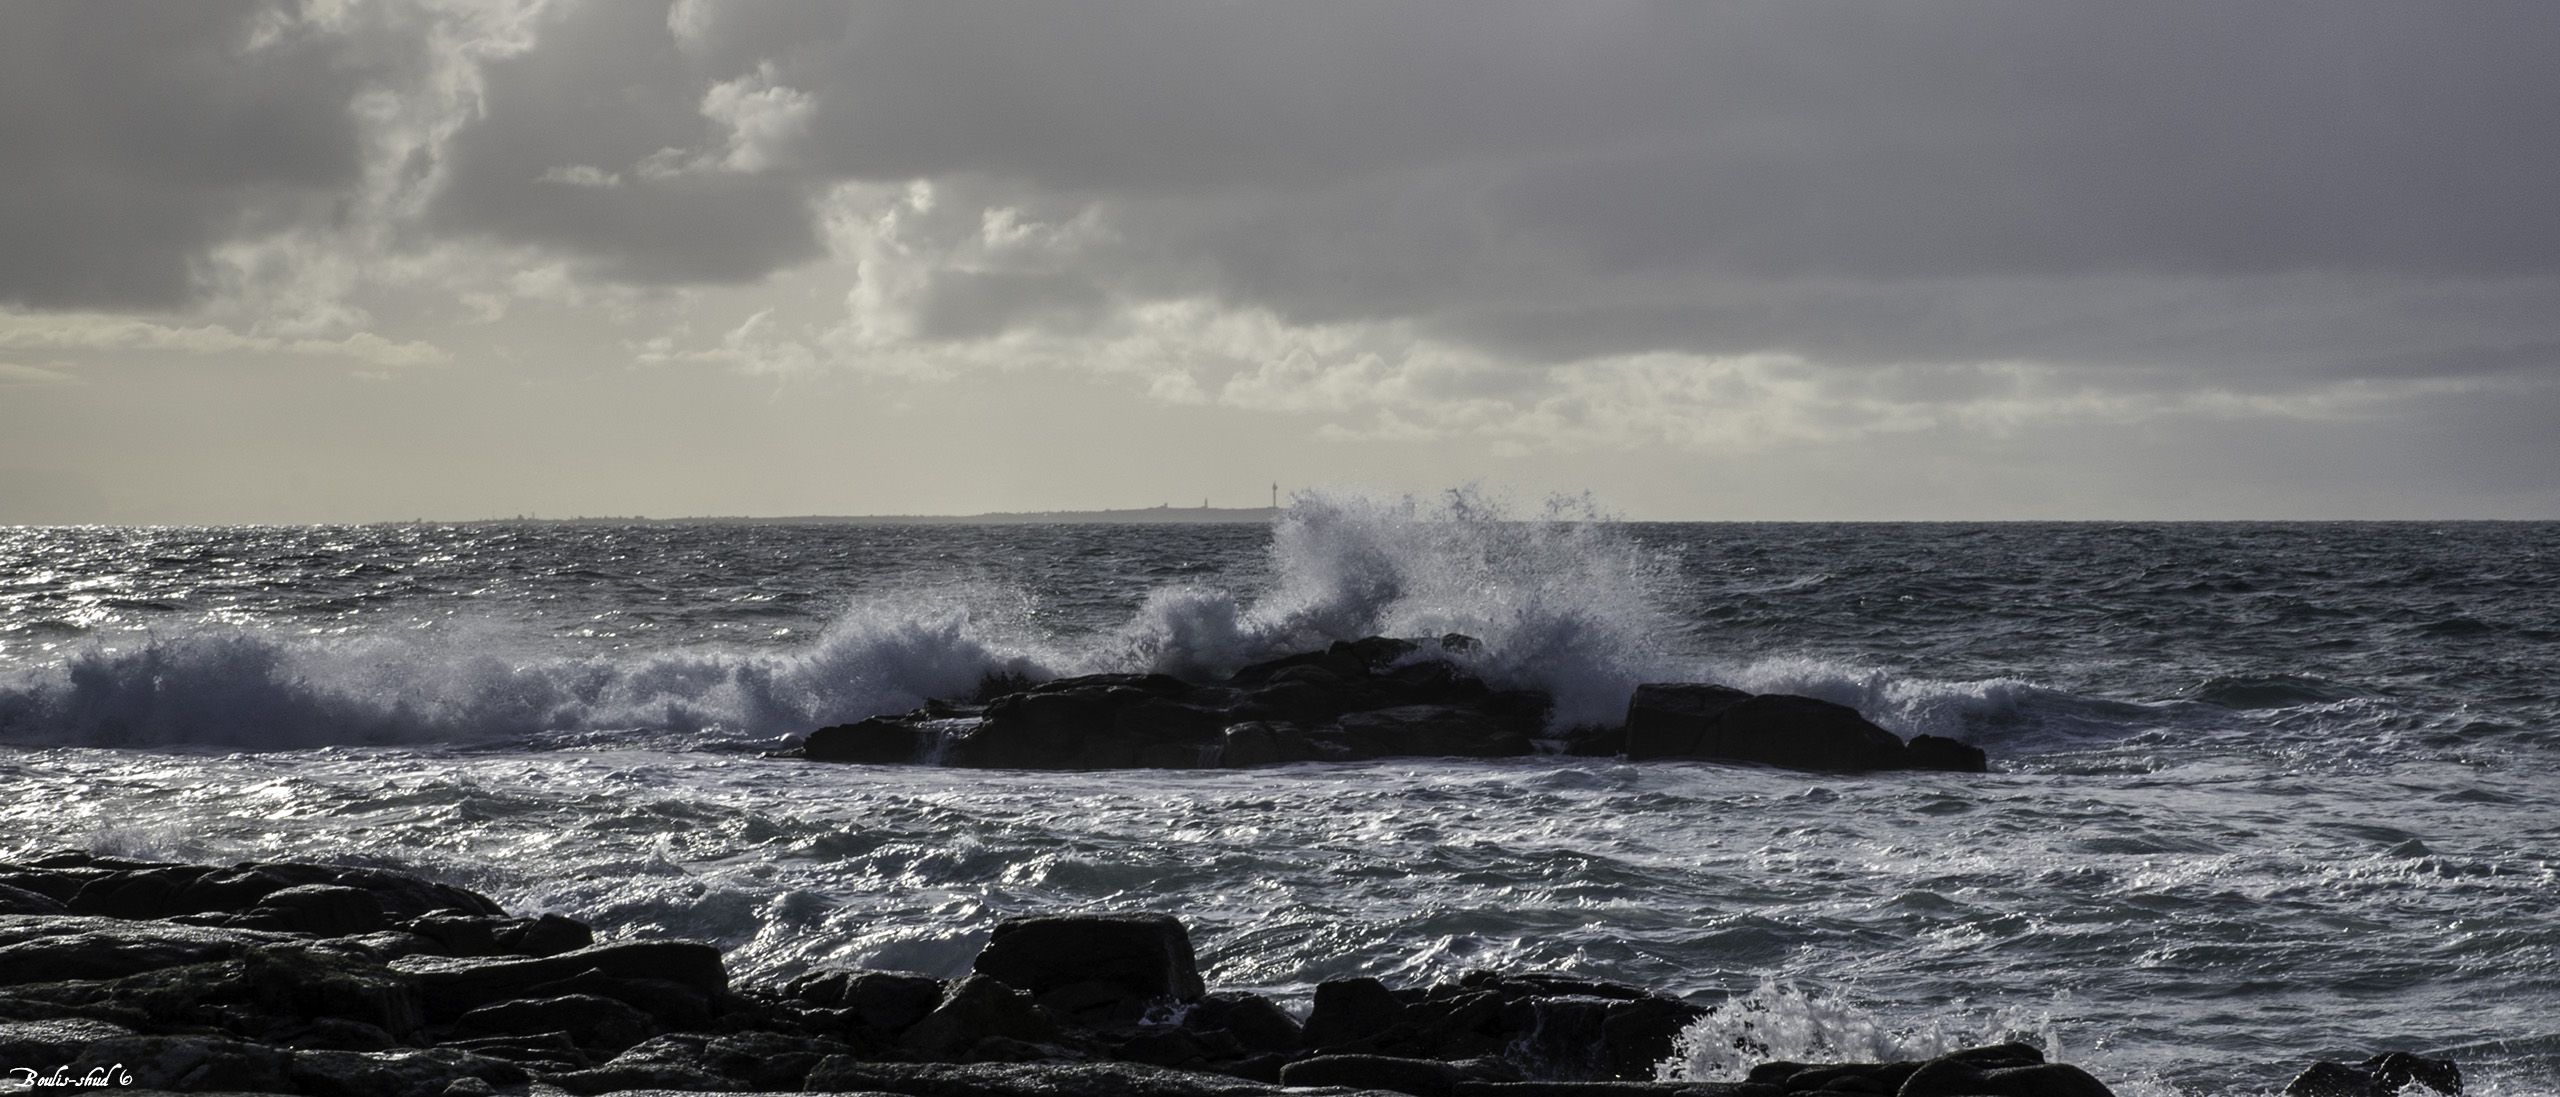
(321, 262)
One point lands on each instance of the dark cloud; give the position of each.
(134, 137)
(594, 143)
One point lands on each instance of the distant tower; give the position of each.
(1275, 495)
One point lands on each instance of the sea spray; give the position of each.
(1786, 1021)
(1563, 602)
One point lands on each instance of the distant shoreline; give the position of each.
(1164, 515)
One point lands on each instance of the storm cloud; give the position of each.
(1429, 218)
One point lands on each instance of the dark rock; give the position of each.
(1112, 966)
(1437, 730)
(1421, 1077)
(41, 949)
(2395, 1070)
(301, 981)
(885, 1001)
(671, 1004)
(2379, 1076)
(402, 1072)
(973, 1009)
(548, 1052)
(1671, 719)
(880, 740)
(1994, 1072)
(590, 1020)
(845, 1074)
(18, 900)
(1256, 1022)
(188, 1063)
(25, 1043)
(1941, 753)
(548, 935)
(451, 986)
(321, 910)
(1347, 1010)
(1799, 733)
(664, 1062)
(1638, 1033)
(1261, 743)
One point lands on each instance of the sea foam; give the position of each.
(1562, 601)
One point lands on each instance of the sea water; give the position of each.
(2262, 793)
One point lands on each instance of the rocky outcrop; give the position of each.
(2384, 1075)
(1359, 699)
(380, 984)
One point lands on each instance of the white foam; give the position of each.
(1785, 1021)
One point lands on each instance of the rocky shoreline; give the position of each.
(1379, 697)
(354, 982)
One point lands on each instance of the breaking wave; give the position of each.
(1563, 601)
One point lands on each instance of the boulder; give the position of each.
(1941, 753)
(18, 900)
(1348, 1010)
(880, 740)
(2384, 1075)
(977, 1008)
(401, 1072)
(1095, 968)
(1781, 729)
(1671, 719)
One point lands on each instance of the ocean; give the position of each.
(2262, 793)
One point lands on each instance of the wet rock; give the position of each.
(1263, 743)
(888, 1002)
(1941, 753)
(1637, 1033)
(321, 910)
(1257, 1023)
(1095, 968)
(2001, 1070)
(974, 1009)
(187, 1063)
(404, 1072)
(41, 949)
(2379, 1076)
(456, 934)
(1349, 1010)
(590, 1020)
(1671, 719)
(451, 986)
(1799, 733)
(24, 1043)
(18, 900)
(1421, 1077)
(876, 741)
(845, 1074)
(1436, 730)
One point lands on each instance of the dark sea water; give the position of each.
(2263, 793)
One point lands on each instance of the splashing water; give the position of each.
(1564, 603)
(1784, 1021)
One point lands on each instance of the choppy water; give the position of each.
(2266, 793)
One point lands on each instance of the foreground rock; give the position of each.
(1360, 699)
(375, 983)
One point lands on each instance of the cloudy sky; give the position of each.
(356, 261)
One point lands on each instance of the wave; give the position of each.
(1793, 1022)
(1563, 602)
